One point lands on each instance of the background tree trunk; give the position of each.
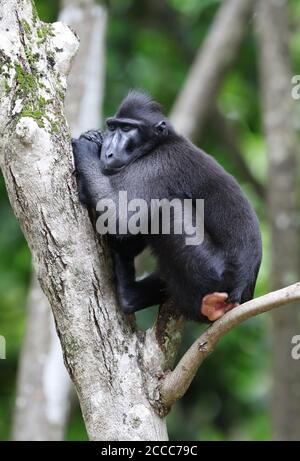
(283, 151)
(43, 384)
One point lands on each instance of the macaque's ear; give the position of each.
(161, 128)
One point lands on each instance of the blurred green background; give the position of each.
(151, 46)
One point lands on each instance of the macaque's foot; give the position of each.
(214, 305)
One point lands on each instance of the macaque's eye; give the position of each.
(126, 128)
(111, 127)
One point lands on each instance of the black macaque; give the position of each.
(140, 153)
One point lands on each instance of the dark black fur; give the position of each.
(166, 165)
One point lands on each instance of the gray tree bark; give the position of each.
(42, 403)
(283, 206)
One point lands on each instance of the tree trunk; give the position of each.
(283, 151)
(37, 415)
(114, 367)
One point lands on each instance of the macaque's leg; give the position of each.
(135, 295)
(142, 294)
(214, 305)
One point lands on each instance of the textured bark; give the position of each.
(283, 151)
(207, 72)
(114, 368)
(37, 415)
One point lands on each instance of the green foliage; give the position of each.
(47, 11)
(192, 7)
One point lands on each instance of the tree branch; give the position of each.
(207, 72)
(176, 383)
